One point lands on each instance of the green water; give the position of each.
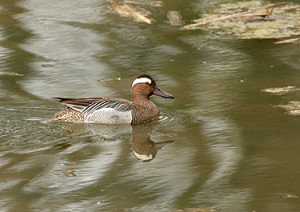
(223, 144)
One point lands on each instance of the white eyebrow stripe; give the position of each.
(141, 80)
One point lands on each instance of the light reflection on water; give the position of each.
(57, 42)
(217, 145)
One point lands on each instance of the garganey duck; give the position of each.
(113, 110)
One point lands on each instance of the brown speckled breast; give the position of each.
(144, 113)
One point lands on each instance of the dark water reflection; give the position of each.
(218, 145)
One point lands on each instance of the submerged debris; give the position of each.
(287, 195)
(151, 3)
(195, 210)
(292, 108)
(281, 90)
(290, 40)
(128, 10)
(252, 19)
(137, 10)
(175, 18)
(109, 79)
(47, 65)
(11, 74)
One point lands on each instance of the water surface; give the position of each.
(219, 145)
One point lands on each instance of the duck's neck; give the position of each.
(140, 100)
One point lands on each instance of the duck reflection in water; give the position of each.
(143, 147)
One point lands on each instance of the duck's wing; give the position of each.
(78, 104)
(97, 107)
(110, 111)
(120, 105)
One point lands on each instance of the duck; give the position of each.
(106, 110)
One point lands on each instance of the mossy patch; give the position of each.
(251, 20)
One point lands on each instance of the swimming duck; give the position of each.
(113, 110)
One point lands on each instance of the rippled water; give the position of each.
(219, 145)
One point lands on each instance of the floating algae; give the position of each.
(252, 20)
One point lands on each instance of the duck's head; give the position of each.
(144, 86)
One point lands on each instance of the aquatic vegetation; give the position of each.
(251, 20)
(140, 11)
